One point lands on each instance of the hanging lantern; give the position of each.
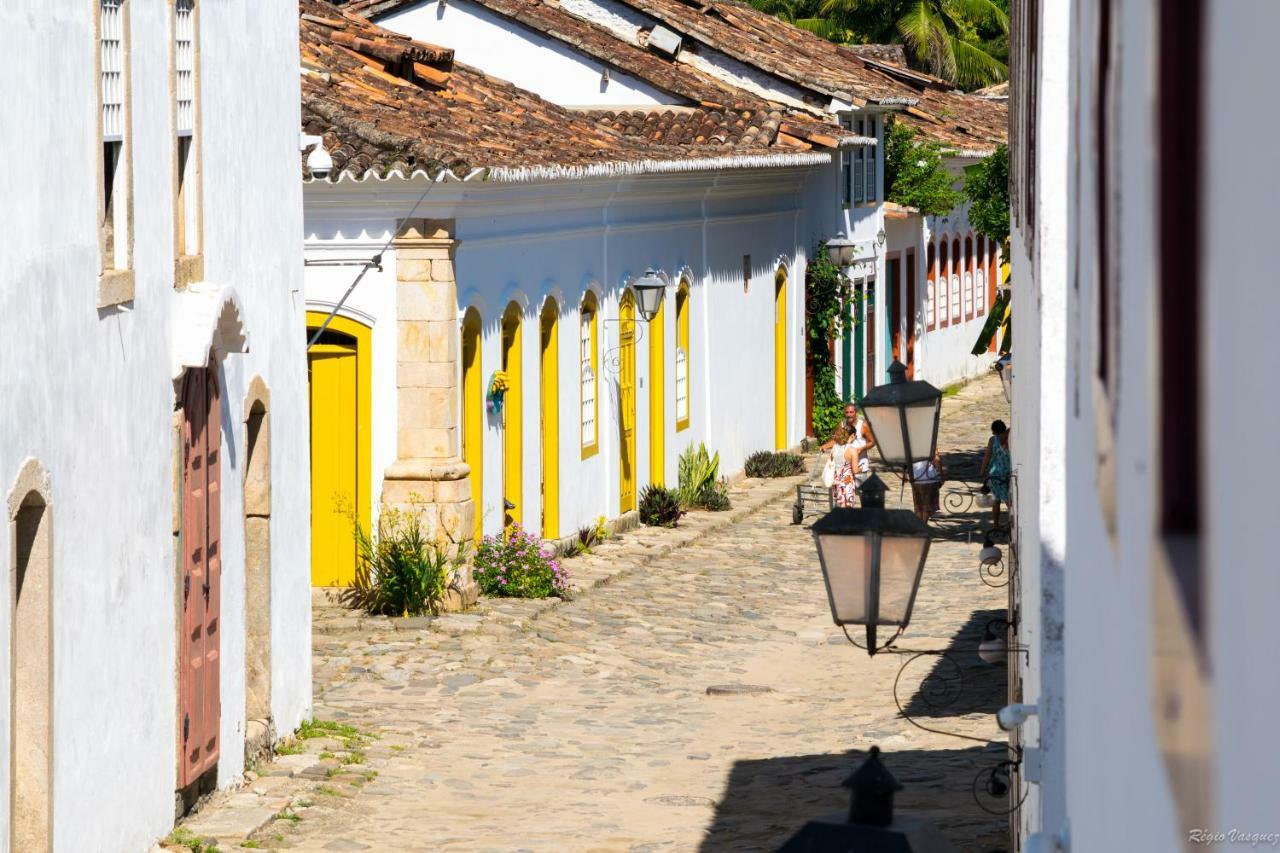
(872, 559)
(649, 289)
(904, 418)
(840, 250)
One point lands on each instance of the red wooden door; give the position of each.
(198, 682)
(911, 314)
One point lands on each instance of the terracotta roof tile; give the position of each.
(383, 103)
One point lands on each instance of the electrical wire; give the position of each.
(374, 262)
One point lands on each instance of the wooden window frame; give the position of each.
(116, 282)
(188, 174)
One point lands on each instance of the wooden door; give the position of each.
(859, 336)
(627, 403)
(895, 310)
(872, 379)
(657, 396)
(911, 314)
(780, 359)
(550, 351)
(512, 420)
(332, 366)
(201, 541)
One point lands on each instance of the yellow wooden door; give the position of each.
(512, 420)
(334, 470)
(657, 397)
(780, 360)
(627, 402)
(550, 340)
(473, 413)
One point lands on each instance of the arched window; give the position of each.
(967, 272)
(953, 293)
(980, 276)
(944, 283)
(931, 283)
(589, 359)
(682, 356)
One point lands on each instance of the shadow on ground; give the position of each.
(959, 682)
(765, 801)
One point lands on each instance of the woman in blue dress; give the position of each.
(996, 467)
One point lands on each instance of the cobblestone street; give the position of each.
(695, 696)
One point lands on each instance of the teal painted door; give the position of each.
(859, 345)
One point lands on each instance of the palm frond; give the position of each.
(823, 28)
(981, 12)
(784, 9)
(925, 35)
(975, 67)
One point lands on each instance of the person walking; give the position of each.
(926, 483)
(997, 467)
(848, 448)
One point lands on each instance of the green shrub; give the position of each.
(715, 497)
(766, 463)
(520, 567)
(591, 536)
(399, 571)
(659, 506)
(700, 484)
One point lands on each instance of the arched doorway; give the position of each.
(259, 729)
(31, 667)
(658, 395)
(780, 359)
(627, 402)
(338, 369)
(473, 412)
(512, 419)
(549, 348)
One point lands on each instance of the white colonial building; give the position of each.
(627, 142)
(1146, 588)
(152, 438)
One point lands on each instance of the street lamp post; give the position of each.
(649, 289)
(903, 416)
(840, 250)
(872, 559)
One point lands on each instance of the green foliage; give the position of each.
(768, 463)
(914, 173)
(399, 571)
(986, 184)
(699, 477)
(659, 506)
(185, 838)
(827, 305)
(519, 567)
(328, 728)
(589, 537)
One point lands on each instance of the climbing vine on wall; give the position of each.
(826, 292)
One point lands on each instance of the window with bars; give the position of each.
(682, 357)
(871, 158)
(846, 166)
(114, 214)
(859, 164)
(588, 360)
(187, 151)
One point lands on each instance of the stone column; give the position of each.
(428, 475)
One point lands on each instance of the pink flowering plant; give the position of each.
(520, 567)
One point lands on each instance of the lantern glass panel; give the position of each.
(886, 426)
(846, 567)
(901, 564)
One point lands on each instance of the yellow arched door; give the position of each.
(338, 374)
(780, 359)
(627, 403)
(550, 352)
(657, 396)
(512, 419)
(473, 412)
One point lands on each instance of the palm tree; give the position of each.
(957, 40)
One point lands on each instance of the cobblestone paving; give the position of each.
(695, 697)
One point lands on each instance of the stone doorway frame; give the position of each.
(31, 674)
(259, 727)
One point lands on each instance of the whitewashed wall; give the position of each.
(89, 393)
(1087, 610)
(526, 242)
(543, 65)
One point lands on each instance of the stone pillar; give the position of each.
(428, 475)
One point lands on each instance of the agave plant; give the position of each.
(698, 472)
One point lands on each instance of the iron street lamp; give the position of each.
(871, 826)
(903, 417)
(649, 289)
(872, 559)
(840, 250)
